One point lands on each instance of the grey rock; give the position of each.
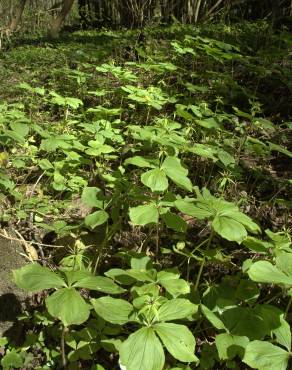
(11, 298)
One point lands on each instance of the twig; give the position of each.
(30, 242)
(31, 192)
(31, 252)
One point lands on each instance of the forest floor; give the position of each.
(161, 159)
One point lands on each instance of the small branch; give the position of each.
(22, 240)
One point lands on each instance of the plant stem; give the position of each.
(203, 262)
(288, 307)
(64, 359)
(157, 240)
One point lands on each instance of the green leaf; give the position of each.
(226, 158)
(68, 306)
(203, 150)
(141, 275)
(208, 123)
(145, 214)
(155, 179)
(89, 197)
(178, 340)
(214, 320)
(142, 351)
(256, 245)
(175, 309)
(177, 173)
(284, 262)
(116, 311)
(280, 149)
(138, 161)
(45, 164)
(241, 218)
(21, 129)
(175, 287)
(141, 263)
(96, 219)
(283, 334)
(174, 222)
(34, 278)
(265, 272)
(12, 360)
(189, 208)
(265, 356)
(229, 229)
(99, 283)
(230, 346)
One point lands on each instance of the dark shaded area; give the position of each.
(10, 308)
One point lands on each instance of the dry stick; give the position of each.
(197, 11)
(213, 8)
(5, 236)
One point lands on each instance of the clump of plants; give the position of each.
(157, 189)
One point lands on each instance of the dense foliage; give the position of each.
(150, 177)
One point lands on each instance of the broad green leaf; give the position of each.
(203, 151)
(99, 283)
(155, 179)
(284, 262)
(241, 218)
(45, 164)
(178, 340)
(175, 309)
(280, 149)
(274, 320)
(116, 311)
(265, 356)
(212, 317)
(141, 263)
(121, 276)
(208, 123)
(12, 360)
(245, 321)
(142, 351)
(175, 287)
(96, 219)
(68, 306)
(145, 214)
(229, 229)
(283, 334)
(226, 158)
(89, 197)
(138, 161)
(167, 275)
(247, 291)
(177, 173)
(34, 278)
(21, 129)
(174, 222)
(256, 245)
(142, 274)
(265, 272)
(189, 208)
(74, 103)
(229, 346)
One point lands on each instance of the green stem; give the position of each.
(99, 253)
(64, 359)
(203, 261)
(288, 307)
(157, 240)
